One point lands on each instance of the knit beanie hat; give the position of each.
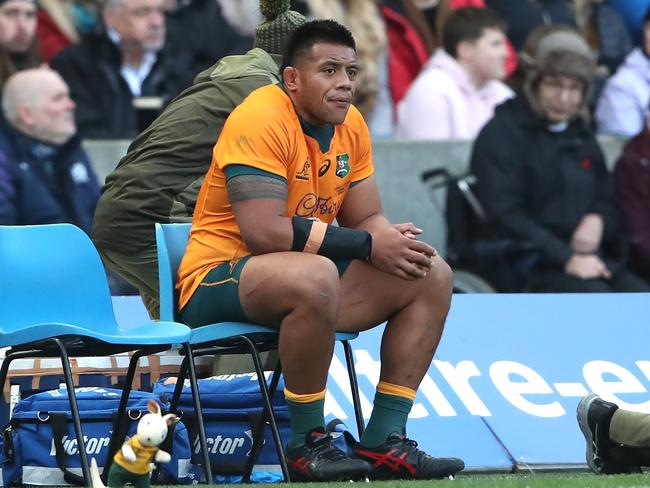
(557, 51)
(273, 34)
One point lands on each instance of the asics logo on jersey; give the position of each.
(324, 167)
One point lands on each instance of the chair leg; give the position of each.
(119, 427)
(9, 357)
(74, 409)
(178, 388)
(354, 387)
(267, 405)
(258, 434)
(196, 399)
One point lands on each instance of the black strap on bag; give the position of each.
(255, 422)
(58, 422)
(8, 443)
(224, 467)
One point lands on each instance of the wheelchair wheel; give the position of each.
(466, 282)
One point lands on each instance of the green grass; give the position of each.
(545, 480)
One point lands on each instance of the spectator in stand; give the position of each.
(523, 17)
(632, 12)
(444, 10)
(542, 179)
(410, 43)
(456, 92)
(62, 22)
(605, 31)
(243, 15)
(622, 104)
(632, 178)
(18, 45)
(45, 176)
(122, 77)
(199, 32)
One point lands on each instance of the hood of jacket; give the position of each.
(255, 62)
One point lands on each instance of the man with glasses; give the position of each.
(542, 176)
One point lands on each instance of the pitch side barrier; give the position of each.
(399, 165)
(503, 388)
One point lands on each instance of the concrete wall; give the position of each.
(399, 166)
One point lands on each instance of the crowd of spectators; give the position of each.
(430, 69)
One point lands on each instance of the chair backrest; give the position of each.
(171, 241)
(52, 274)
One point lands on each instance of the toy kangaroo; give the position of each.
(131, 463)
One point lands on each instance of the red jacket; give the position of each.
(406, 52)
(51, 38)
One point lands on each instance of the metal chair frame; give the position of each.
(171, 242)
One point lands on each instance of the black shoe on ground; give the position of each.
(319, 460)
(400, 458)
(594, 416)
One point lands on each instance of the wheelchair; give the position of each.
(482, 262)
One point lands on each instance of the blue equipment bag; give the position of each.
(40, 446)
(232, 406)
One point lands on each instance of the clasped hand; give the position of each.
(396, 250)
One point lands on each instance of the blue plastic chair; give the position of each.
(171, 242)
(55, 301)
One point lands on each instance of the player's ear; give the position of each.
(290, 78)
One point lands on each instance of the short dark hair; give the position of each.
(469, 24)
(313, 32)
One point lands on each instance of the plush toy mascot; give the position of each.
(131, 464)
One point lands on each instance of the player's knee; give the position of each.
(440, 280)
(319, 286)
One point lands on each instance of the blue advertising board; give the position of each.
(509, 372)
(528, 359)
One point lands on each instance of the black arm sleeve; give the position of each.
(338, 243)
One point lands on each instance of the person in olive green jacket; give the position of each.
(159, 178)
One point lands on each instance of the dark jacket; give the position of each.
(159, 178)
(104, 101)
(45, 184)
(632, 176)
(536, 185)
(523, 16)
(198, 30)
